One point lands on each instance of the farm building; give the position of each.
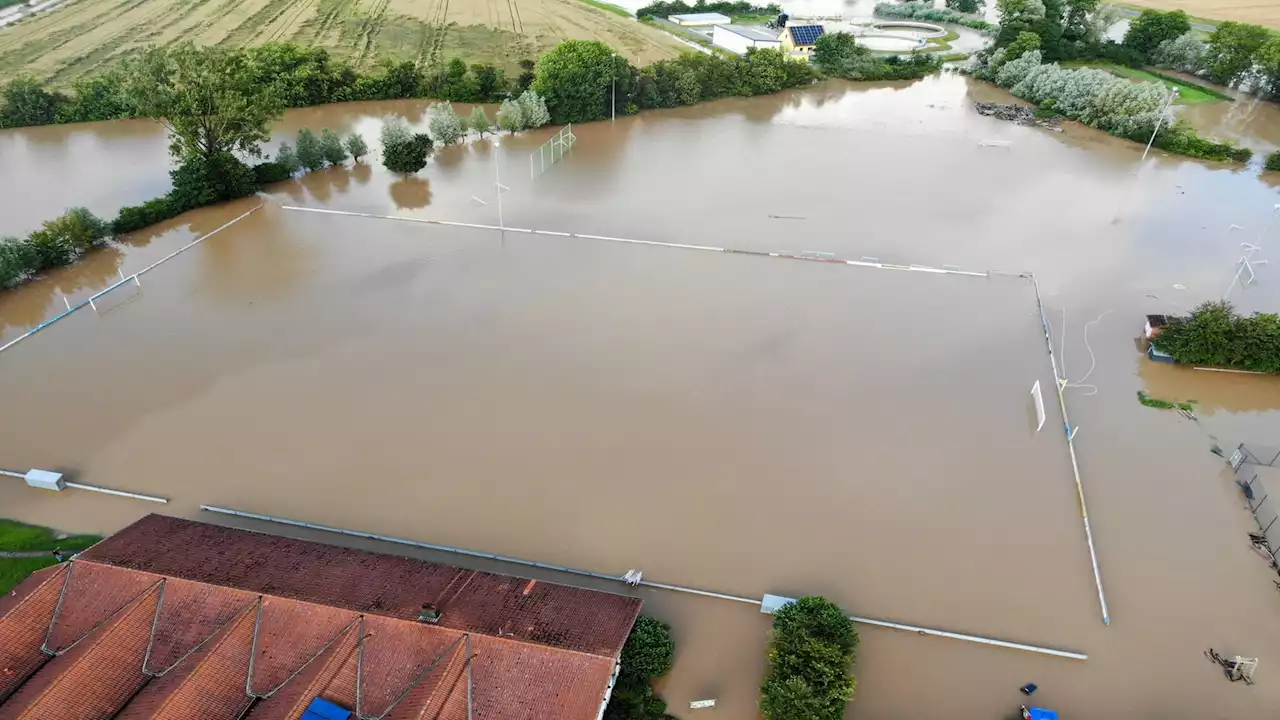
(740, 38)
(696, 19)
(799, 39)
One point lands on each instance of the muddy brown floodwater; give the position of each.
(737, 423)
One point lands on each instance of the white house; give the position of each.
(739, 38)
(695, 19)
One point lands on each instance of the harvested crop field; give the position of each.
(80, 35)
(1258, 12)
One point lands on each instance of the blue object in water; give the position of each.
(1158, 356)
(321, 709)
(1042, 714)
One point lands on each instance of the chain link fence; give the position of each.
(1259, 479)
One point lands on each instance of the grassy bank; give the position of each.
(16, 537)
(1189, 93)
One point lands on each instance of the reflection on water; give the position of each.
(797, 427)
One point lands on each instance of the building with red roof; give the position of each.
(178, 619)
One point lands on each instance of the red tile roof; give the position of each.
(370, 583)
(220, 623)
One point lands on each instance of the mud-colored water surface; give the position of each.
(738, 423)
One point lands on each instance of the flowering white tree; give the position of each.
(1125, 101)
(1073, 92)
(533, 109)
(443, 124)
(1185, 54)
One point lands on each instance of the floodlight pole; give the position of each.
(613, 95)
(497, 182)
(1173, 93)
(1250, 248)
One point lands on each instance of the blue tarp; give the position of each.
(321, 709)
(1042, 714)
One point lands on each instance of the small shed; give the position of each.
(1155, 324)
(696, 19)
(740, 38)
(800, 39)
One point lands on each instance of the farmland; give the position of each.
(1258, 12)
(80, 35)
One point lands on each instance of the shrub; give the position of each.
(310, 155)
(136, 217)
(270, 172)
(200, 181)
(574, 78)
(443, 124)
(1213, 334)
(331, 148)
(25, 102)
(1184, 54)
(288, 159)
(810, 657)
(838, 54)
(965, 6)
(1273, 162)
(402, 150)
(356, 146)
(1152, 28)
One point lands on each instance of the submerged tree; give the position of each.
(356, 146)
(510, 116)
(331, 148)
(402, 150)
(479, 121)
(443, 124)
(288, 159)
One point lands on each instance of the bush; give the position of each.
(1273, 162)
(1152, 28)
(270, 172)
(839, 55)
(136, 217)
(356, 146)
(200, 181)
(965, 6)
(63, 239)
(1182, 139)
(574, 78)
(510, 116)
(25, 102)
(479, 121)
(1216, 336)
(331, 148)
(310, 155)
(402, 150)
(810, 657)
(1184, 54)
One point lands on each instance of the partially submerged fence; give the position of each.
(552, 151)
(1259, 479)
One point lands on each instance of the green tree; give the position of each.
(533, 110)
(457, 85)
(479, 121)
(207, 97)
(527, 76)
(574, 79)
(331, 148)
(490, 83)
(810, 656)
(309, 153)
(1232, 47)
(1025, 43)
(200, 181)
(25, 102)
(1268, 67)
(965, 6)
(18, 261)
(649, 651)
(402, 150)
(1076, 22)
(300, 76)
(443, 124)
(67, 237)
(356, 146)
(1153, 27)
(288, 159)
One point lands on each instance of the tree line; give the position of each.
(839, 55)
(1214, 334)
(663, 8)
(1235, 54)
(926, 12)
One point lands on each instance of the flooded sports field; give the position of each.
(740, 423)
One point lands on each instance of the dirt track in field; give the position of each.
(81, 35)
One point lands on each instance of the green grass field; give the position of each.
(1189, 93)
(16, 537)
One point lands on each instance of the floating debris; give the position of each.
(1018, 115)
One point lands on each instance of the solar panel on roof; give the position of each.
(805, 34)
